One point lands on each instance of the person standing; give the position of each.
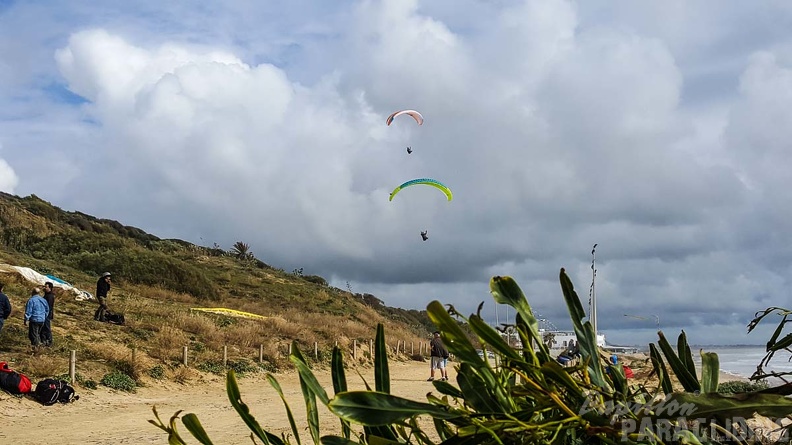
(36, 311)
(102, 288)
(46, 331)
(439, 357)
(5, 307)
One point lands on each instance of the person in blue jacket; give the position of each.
(36, 312)
(5, 307)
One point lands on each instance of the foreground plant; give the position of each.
(528, 398)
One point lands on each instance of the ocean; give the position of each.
(742, 360)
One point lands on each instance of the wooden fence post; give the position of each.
(290, 351)
(73, 367)
(316, 350)
(184, 355)
(225, 356)
(261, 353)
(371, 348)
(354, 349)
(412, 348)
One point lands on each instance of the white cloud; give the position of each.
(8, 179)
(557, 124)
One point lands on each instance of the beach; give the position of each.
(105, 416)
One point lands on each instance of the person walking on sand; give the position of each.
(102, 288)
(36, 311)
(46, 331)
(439, 357)
(5, 307)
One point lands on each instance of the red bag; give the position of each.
(12, 381)
(628, 372)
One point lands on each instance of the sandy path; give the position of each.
(105, 416)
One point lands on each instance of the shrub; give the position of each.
(157, 372)
(316, 279)
(120, 381)
(211, 366)
(242, 366)
(737, 387)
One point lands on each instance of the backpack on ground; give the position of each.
(51, 391)
(114, 318)
(12, 381)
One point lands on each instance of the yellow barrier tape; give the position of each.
(229, 312)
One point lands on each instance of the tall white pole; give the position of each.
(593, 299)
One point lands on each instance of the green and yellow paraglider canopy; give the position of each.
(423, 181)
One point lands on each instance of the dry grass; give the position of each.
(167, 344)
(43, 365)
(183, 374)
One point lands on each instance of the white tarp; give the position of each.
(39, 279)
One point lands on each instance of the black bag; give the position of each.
(114, 318)
(51, 391)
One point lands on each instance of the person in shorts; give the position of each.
(439, 357)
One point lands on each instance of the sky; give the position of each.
(658, 130)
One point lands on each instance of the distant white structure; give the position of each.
(556, 339)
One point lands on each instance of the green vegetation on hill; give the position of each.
(155, 282)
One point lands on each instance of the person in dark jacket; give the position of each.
(102, 288)
(46, 331)
(5, 307)
(439, 357)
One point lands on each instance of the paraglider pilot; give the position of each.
(423, 235)
(409, 150)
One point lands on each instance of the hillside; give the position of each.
(155, 283)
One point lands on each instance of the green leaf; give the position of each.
(714, 405)
(587, 339)
(660, 369)
(684, 353)
(335, 440)
(477, 393)
(709, 371)
(688, 380)
(783, 343)
(196, 429)
(338, 376)
(458, 344)
(381, 371)
(173, 433)
(453, 337)
(378, 408)
(232, 388)
(307, 375)
(310, 388)
(492, 337)
(447, 389)
(506, 291)
(271, 379)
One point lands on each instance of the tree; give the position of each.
(241, 251)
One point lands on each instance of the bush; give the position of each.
(157, 372)
(316, 279)
(242, 367)
(211, 366)
(737, 387)
(120, 381)
(152, 268)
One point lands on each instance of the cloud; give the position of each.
(557, 125)
(8, 179)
